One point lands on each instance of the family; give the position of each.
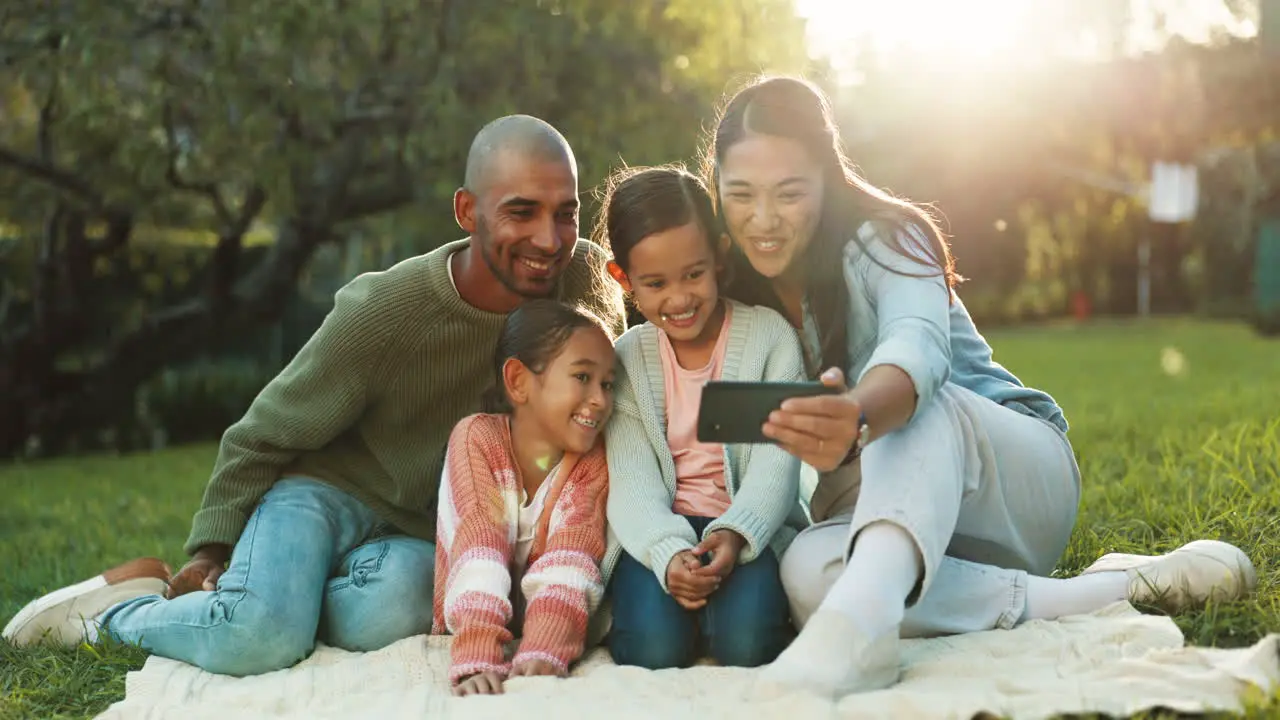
(473, 443)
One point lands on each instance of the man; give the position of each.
(319, 519)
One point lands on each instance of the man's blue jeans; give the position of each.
(309, 564)
(745, 623)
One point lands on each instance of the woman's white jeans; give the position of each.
(988, 494)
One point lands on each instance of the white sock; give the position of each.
(882, 571)
(850, 641)
(1053, 598)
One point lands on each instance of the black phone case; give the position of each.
(735, 412)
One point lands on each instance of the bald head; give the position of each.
(519, 205)
(514, 138)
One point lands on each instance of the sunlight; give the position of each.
(971, 29)
(963, 35)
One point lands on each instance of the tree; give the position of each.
(295, 121)
(1013, 153)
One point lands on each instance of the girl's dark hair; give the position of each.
(796, 109)
(534, 333)
(639, 202)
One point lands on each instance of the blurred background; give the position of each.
(185, 183)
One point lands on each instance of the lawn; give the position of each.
(1175, 424)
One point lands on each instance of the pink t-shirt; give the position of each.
(700, 488)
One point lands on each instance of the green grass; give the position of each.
(1175, 424)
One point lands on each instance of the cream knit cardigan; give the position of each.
(762, 480)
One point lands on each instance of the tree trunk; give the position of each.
(54, 406)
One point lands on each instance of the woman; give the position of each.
(965, 495)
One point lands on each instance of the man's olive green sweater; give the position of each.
(368, 403)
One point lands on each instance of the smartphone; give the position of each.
(735, 412)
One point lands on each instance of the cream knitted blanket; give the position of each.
(1114, 662)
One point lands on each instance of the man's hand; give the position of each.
(483, 683)
(724, 546)
(686, 583)
(201, 572)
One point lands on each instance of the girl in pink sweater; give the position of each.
(521, 527)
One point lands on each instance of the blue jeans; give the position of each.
(745, 623)
(309, 564)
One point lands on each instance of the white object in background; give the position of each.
(1172, 197)
(1175, 192)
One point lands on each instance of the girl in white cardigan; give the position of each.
(698, 527)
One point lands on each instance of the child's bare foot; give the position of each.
(832, 658)
(483, 683)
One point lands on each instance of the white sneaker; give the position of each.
(64, 616)
(1185, 578)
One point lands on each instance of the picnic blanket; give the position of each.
(1116, 661)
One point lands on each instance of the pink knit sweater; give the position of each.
(476, 532)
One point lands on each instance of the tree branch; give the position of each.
(224, 265)
(79, 252)
(77, 260)
(44, 166)
(398, 113)
(169, 19)
(208, 190)
(48, 173)
(45, 277)
(16, 53)
(393, 109)
(119, 230)
(379, 197)
(387, 53)
(44, 126)
(7, 295)
(255, 199)
(367, 117)
(180, 331)
(442, 44)
(264, 292)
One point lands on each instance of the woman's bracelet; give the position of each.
(859, 443)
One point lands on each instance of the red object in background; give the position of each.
(1081, 308)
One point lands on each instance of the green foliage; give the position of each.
(300, 124)
(198, 402)
(236, 93)
(1024, 138)
(1267, 322)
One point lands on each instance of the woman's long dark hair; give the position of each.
(796, 109)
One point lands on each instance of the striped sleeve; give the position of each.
(474, 531)
(564, 585)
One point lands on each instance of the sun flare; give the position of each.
(968, 34)
(973, 28)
